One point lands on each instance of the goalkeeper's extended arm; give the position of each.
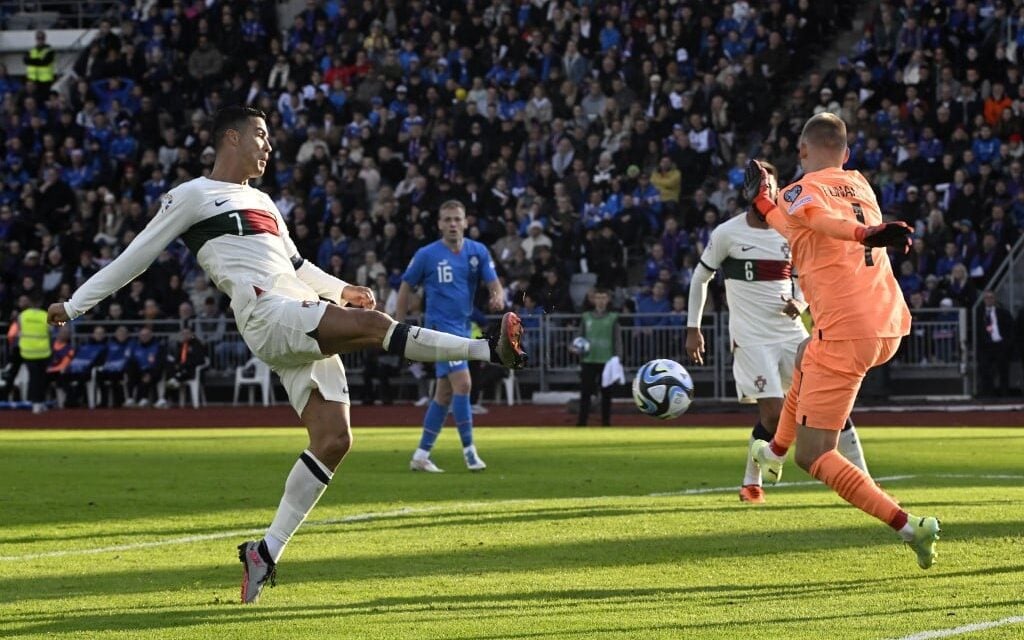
(888, 234)
(325, 285)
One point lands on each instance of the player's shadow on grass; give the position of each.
(413, 520)
(570, 515)
(468, 557)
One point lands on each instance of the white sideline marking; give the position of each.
(967, 628)
(991, 476)
(380, 515)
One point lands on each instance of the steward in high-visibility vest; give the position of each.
(34, 345)
(39, 64)
(34, 335)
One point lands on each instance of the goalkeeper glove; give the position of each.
(888, 234)
(760, 189)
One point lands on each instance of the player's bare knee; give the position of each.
(331, 448)
(443, 396)
(379, 322)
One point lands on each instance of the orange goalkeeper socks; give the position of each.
(857, 488)
(785, 433)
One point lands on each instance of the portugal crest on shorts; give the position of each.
(760, 383)
(785, 250)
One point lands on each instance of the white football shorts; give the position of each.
(764, 371)
(278, 332)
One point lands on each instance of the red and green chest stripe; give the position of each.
(754, 270)
(237, 222)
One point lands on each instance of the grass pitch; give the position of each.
(571, 533)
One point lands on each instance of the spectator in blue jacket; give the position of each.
(146, 369)
(88, 355)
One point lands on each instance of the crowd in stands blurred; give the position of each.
(582, 136)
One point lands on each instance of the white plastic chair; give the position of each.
(260, 378)
(21, 382)
(90, 388)
(511, 388)
(194, 386)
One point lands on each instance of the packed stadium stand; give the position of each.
(593, 144)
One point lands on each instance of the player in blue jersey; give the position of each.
(450, 270)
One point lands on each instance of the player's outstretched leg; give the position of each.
(426, 345)
(344, 330)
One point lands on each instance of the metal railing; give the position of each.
(43, 14)
(937, 348)
(1005, 284)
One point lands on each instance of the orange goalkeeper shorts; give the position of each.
(832, 374)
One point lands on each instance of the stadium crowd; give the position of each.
(600, 137)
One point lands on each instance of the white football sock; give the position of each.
(753, 473)
(427, 345)
(306, 482)
(420, 454)
(849, 447)
(907, 532)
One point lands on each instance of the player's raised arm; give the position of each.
(170, 222)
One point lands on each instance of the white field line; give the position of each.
(395, 513)
(967, 628)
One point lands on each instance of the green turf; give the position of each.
(560, 538)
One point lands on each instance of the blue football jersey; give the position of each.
(450, 281)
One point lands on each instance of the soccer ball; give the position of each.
(581, 346)
(663, 389)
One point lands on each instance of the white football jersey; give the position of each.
(758, 271)
(236, 233)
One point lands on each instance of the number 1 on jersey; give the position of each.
(858, 211)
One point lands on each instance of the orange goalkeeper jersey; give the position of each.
(851, 289)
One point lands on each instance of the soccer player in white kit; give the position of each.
(765, 330)
(290, 313)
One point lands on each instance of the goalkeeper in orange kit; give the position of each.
(838, 241)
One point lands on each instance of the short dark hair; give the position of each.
(233, 117)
